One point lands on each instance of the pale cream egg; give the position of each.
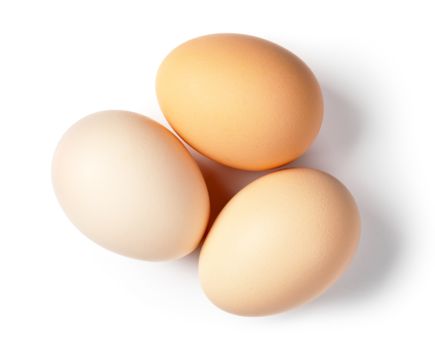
(131, 186)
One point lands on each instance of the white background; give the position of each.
(62, 60)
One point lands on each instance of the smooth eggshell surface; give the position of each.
(281, 241)
(131, 186)
(240, 100)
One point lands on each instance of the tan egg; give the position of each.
(240, 100)
(280, 242)
(131, 186)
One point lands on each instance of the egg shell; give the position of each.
(280, 242)
(131, 186)
(240, 100)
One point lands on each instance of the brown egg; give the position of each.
(280, 242)
(240, 100)
(131, 186)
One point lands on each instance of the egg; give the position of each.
(279, 242)
(240, 100)
(131, 186)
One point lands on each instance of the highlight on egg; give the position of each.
(280, 242)
(131, 186)
(240, 100)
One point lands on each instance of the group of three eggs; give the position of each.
(130, 184)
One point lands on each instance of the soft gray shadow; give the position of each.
(379, 249)
(191, 260)
(341, 131)
(381, 241)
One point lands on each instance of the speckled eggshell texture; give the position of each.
(240, 100)
(280, 242)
